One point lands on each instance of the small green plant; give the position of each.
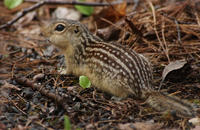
(86, 10)
(84, 82)
(67, 124)
(196, 101)
(10, 4)
(5, 56)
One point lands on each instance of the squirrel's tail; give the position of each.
(162, 102)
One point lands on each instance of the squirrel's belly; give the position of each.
(112, 83)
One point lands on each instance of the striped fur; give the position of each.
(130, 66)
(111, 67)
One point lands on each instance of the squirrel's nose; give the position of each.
(41, 34)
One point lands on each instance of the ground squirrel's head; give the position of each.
(64, 33)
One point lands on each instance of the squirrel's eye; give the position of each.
(60, 27)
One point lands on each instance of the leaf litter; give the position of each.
(170, 32)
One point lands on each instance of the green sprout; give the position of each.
(86, 10)
(67, 123)
(10, 4)
(84, 82)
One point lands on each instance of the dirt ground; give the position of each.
(35, 95)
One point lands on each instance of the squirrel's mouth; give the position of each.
(46, 41)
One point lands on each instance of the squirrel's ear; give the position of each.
(76, 29)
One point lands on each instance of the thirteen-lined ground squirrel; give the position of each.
(110, 67)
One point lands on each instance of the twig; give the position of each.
(73, 2)
(178, 31)
(60, 99)
(24, 113)
(116, 26)
(55, 97)
(161, 43)
(21, 14)
(179, 38)
(164, 40)
(155, 29)
(134, 30)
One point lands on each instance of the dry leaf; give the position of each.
(176, 71)
(173, 66)
(111, 13)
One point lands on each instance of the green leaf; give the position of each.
(84, 82)
(86, 10)
(10, 4)
(67, 123)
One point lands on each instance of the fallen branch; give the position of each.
(26, 82)
(134, 30)
(22, 13)
(59, 99)
(73, 2)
